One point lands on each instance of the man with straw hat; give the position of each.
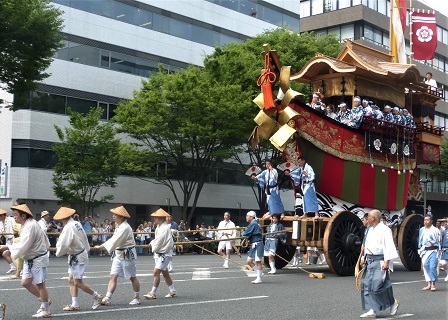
(7, 226)
(122, 247)
(253, 233)
(161, 246)
(73, 242)
(33, 248)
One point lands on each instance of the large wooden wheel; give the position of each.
(284, 251)
(342, 242)
(408, 242)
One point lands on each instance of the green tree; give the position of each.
(440, 171)
(88, 159)
(187, 120)
(29, 37)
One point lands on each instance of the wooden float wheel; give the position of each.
(408, 242)
(283, 250)
(342, 242)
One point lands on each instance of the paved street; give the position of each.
(207, 291)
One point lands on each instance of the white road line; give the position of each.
(406, 282)
(154, 307)
(201, 274)
(404, 315)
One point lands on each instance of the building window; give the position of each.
(305, 8)
(317, 7)
(44, 101)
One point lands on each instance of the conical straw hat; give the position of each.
(160, 213)
(3, 211)
(23, 208)
(64, 213)
(120, 211)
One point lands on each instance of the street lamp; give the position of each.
(425, 182)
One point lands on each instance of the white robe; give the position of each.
(123, 238)
(163, 241)
(33, 242)
(72, 241)
(380, 241)
(8, 227)
(226, 234)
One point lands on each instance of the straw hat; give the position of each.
(64, 213)
(3, 211)
(44, 213)
(359, 273)
(120, 211)
(160, 213)
(23, 208)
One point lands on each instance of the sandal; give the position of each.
(433, 289)
(426, 288)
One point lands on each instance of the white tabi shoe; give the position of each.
(135, 301)
(97, 301)
(446, 279)
(43, 313)
(150, 296)
(394, 307)
(70, 308)
(11, 270)
(106, 301)
(273, 271)
(256, 281)
(171, 294)
(370, 314)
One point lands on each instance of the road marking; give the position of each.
(90, 312)
(201, 274)
(404, 315)
(406, 282)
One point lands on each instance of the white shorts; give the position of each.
(161, 262)
(269, 253)
(77, 271)
(123, 268)
(224, 244)
(38, 274)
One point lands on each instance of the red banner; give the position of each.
(424, 37)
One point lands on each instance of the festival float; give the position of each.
(357, 169)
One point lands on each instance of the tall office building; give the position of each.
(109, 47)
(367, 21)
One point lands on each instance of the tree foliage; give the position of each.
(29, 37)
(440, 171)
(88, 159)
(188, 120)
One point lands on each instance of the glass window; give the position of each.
(317, 7)
(344, 4)
(44, 101)
(347, 31)
(20, 158)
(368, 32)
(356, 2)
(180, 29)
(388, 8)
(105, 58)
(93, 6)
(112, 108)
(290, 23)
(83, 54)
(160, 23)
(386, 39)
(305, 8)
(145, 67)
(42, 158)
(63, 52)
(382, 7)
(201, 35)
(122, 62)
(80, 105)
(272, 16)
(330, 5)
(377, 36)
(445, 36)
(143, 18)
(124, 12)
(439, 34)
(336, 31)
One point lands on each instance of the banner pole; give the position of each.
(410, 32)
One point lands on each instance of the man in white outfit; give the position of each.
(223, 235)
(122, 247)
(33, 248)
(161, 246)
(73, 242)
(7, 226)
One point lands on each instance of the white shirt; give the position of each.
(8, 227)
(163, 241)
(431, 82)
(73, 240)
(226, 234)
(123, 238)
(43, 224)
(33, 242)
(380, 241)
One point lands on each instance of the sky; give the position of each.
(439, 5)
